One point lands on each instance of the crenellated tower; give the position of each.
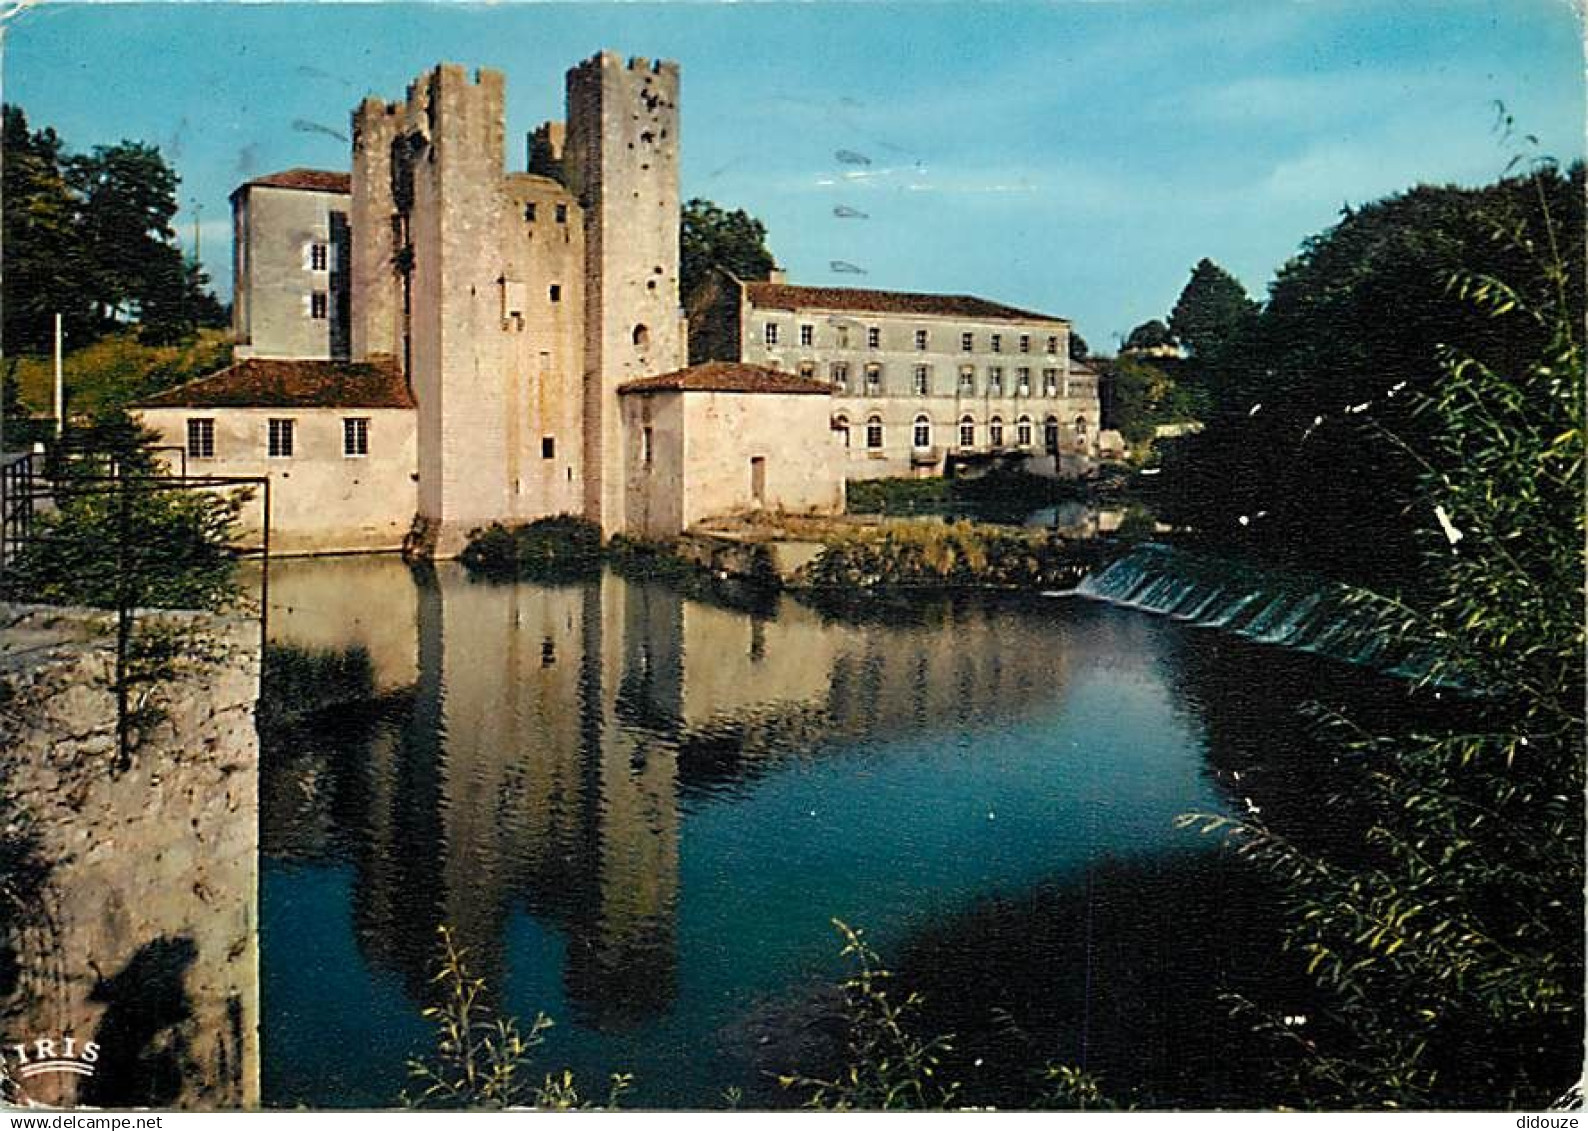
(620, 161)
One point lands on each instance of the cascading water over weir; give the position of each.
(1265, 605)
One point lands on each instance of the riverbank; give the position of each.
(800, 552)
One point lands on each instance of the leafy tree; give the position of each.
(1079, 350)
(131, 547)
(1149, 336)
(1355, 326)
(1211, 311)
(1137, 391)
(43, 262)
(89, 236)
(711, 236)
(1452, 955)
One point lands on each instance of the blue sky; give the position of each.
(1073, 157)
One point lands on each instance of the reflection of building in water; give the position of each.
(554, 730)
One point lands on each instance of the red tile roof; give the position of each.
(727, 377)
(281, 383)
(310, 180)
(786, 296)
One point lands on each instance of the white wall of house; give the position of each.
(322, 499)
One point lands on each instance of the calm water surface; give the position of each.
(640, 811)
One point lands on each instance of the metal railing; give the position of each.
(85, 530)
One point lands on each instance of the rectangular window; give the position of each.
(280, 439)
(555, 292)
(921, 339)
(319, 257)
(995, 381)
(808, 370)
(840, 374)
(548, 447)
(318, 305)
(562, 213)
(998, 343)
(807, 335)
(529, 212)
(1025, 343)
(769, 334)
(201, 438)
(923, 380)
(873, 337)
(843, 337)
(1023, 381)
(967, 379)
(355, 436)
(873, 378)
(647, 447)
(1050, 382)
(1053, 343)
(967, 341)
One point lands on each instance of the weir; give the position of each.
(1259, 603)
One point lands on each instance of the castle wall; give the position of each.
(322, 501)
(654, 487)
(377, 285)
(621, 163)
(728, 435)
(541, 291)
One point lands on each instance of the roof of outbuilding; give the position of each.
(310, 180)
(260, 382)
(787, 296)
(727, 377)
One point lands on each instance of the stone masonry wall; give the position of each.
(142, 935)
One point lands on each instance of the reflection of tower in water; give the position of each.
(554, 731)
(516, 785)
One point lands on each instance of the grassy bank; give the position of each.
(999, 496)
(115, 371)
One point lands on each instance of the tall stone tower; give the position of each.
(620, 161)
(427, 201)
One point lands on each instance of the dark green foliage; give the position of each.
(560, 548)
(132, 542)
(1079, 350)
(710, 236)
(1149, 335)
(997, 496)
(1453, 956)
(1142, 394)
(89, 236)
(1308, 397)
(1213, 311)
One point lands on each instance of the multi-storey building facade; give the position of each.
(918, 380)
(290, 258)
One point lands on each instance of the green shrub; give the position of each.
(559, 548)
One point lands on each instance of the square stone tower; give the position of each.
(620, 161)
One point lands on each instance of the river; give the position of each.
(640, 811)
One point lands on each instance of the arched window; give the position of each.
(841, 430)
(874, 432)
(1080, 425)
(642, 336)
(967, 432)
(1050, 434)
(1023, 432)
(995, 432)
(922, 434)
